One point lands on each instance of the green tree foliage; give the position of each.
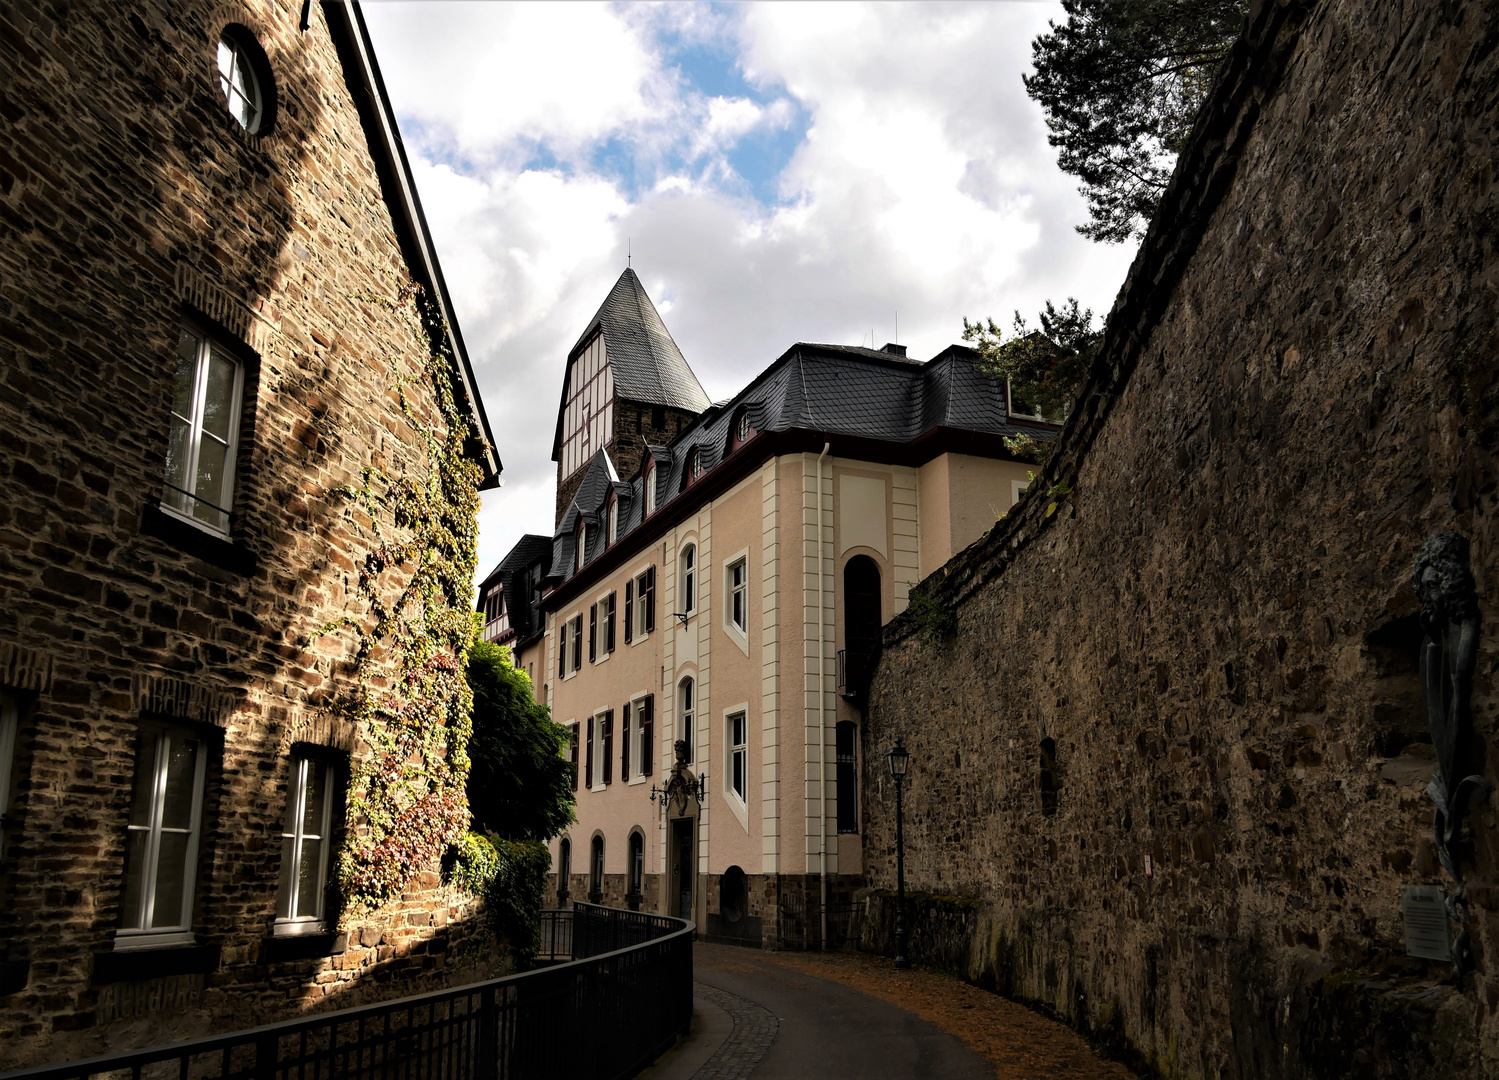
(1045, 366)
(1121, 82)
(519, 783)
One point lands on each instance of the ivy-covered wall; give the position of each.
(334, 620)
(1168, 754)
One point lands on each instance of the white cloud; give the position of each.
(924, 185)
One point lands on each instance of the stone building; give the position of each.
(723, 595)
(1178, 790)
(197, 201)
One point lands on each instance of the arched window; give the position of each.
(686, 712)
(743, 432)
(650, 486)
(695, 464)
(613, 532)
(637, 869)
(862, 618)
(564, 868)
(245, 80)
(688, 595)
(733, 895)
(582, 546)
(596, 872)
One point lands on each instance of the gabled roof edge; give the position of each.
(362, 73)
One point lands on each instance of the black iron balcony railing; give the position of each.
(611, 1010)
(855, 669)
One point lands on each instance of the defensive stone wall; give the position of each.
(1168, 748)
(131, 203)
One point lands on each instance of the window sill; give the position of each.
(279, 948)
(133, 965)
(197, 542)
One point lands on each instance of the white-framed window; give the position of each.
(742, 429)
(638, 732)
(688, 593)
(613, 520)
(695, 466)
(163, 832)
(239, 83)
(10, 721)
(601, 629)
(649, 483)
(582, 547)
(1019, 408)
(686, 713)
(642, 603)
(576, 645)
(204, 436)
(736, 743)
(736, 578)
(305, 839)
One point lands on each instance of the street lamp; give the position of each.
(900, 761)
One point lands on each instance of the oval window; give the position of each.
(245, 80)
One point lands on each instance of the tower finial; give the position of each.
(629, 242)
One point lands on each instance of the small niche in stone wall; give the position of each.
(150, 997)
(1426, 932)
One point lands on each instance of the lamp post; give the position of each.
(900, 761)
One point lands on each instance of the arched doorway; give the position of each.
(596, 872)
(636, 870)
(564, 868)
(863, 616)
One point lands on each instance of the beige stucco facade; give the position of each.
(779, 672)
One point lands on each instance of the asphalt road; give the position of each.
(760, 1019)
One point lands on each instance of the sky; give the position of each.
(847, 173)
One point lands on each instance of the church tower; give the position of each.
(627, 385)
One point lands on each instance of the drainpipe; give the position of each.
(822, 734)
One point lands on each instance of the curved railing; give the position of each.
(602, 1016)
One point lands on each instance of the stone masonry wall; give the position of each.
(129, 202)
(1215, 630)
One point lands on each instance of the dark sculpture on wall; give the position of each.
(1449, 653)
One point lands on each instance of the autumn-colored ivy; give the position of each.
(410, 700)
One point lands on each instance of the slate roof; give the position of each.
(830, 389)
(644, 359)
(508, 575)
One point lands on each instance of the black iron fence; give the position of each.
(609, 1012)
(801, 922)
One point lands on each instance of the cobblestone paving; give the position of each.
(755, 1028)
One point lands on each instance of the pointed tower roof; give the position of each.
(645, 361)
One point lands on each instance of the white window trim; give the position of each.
(10, 720)
(649, 483)
(206, 345)
(737, 635)
(637, 740)
(182, 934)
(297, 791)
(1010, 406)
(678, 723)
(683, 574)
(596, 722)
(1017, 490)
(239, 60)
(638, 632)
(570, 672)
(601, 650)
(740, 806)
(613, 520)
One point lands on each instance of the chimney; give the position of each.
(894, 349)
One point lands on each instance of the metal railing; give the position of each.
(604, 1015)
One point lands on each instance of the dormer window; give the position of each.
(582, 546)
(742, 429)
(650, 487)
(612, 533)
(695, 464)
